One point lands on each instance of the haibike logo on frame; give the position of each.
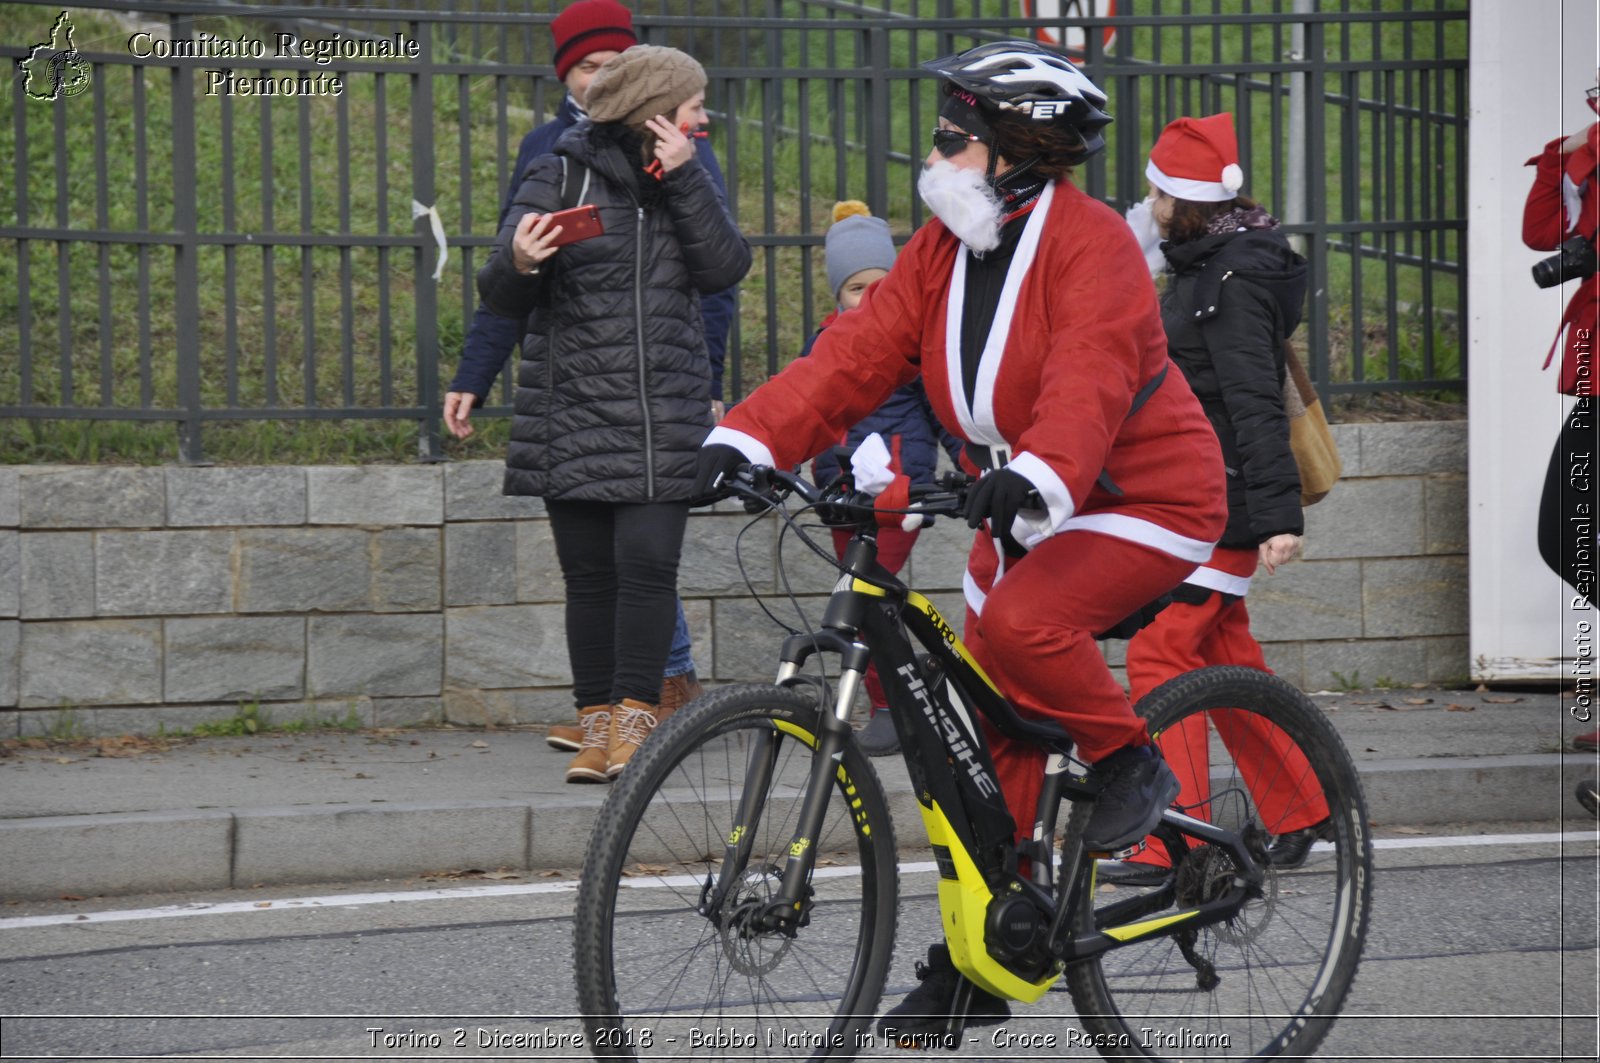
(957, 742)
(54, 69)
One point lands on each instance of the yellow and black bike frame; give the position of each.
(931, 697)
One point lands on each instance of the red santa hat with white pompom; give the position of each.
(1197, 159)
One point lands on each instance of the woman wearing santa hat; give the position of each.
(1027, 308)
(1233, 298)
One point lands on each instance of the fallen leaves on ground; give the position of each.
(1458, 707)
(1502, 701)
(472, 872)
(119, 746)
(646, 869)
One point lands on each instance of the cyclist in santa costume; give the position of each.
(1027, 308)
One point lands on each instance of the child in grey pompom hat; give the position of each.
(856, 241)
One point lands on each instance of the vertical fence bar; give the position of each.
(1315, 176)
(308, 275)
(186, 253)
(63, 260)
(380, 126)
(102, 217)
(269, 273)
(19, 177)
(230, 256)
(877, 141)
(425, 287)
(347, 295)
(141, 181)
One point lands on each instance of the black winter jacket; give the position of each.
(614, 388)
(1230, 304)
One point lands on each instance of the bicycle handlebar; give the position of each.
(837, 503)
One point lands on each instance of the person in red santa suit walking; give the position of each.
(1233, 297)
(1027, 308)
(1563, 214)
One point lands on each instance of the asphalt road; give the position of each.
(1483, 951)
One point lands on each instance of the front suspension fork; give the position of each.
(787, 909)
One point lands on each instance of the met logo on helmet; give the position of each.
(1045, 110)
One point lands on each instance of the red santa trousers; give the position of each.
(894, 546)
(1032, 630)
(1184, 637)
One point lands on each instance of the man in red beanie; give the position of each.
(585, 35)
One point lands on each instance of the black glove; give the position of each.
(713, 467)
(997, 498)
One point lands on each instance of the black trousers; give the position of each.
(620, 564)
(1567, 514)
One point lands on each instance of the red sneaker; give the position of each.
(1589, 742)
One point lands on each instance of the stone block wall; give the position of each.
(137, 599)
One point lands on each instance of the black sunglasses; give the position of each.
(952, 142)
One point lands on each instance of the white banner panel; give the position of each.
(1530, 66)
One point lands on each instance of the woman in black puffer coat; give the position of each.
(614, 388)
(1233, 298)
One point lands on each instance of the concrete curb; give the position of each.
(241, 848)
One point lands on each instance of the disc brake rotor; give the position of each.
(751, 950)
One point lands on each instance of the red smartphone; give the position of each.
(579, 223)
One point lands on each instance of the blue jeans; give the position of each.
(680, 659)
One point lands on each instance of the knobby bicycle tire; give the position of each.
(1286, 963)
(657, 979)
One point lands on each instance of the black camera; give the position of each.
(1574, 261)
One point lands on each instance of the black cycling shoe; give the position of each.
(1130, 873)
(1138, 786)
(1290, 850)
(923, 1019)
(877, 738)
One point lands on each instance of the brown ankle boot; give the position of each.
(590, 763)
(567, 737)
(631, 723)
(677, 691)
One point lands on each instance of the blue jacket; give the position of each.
(491, 338)
(907, 425)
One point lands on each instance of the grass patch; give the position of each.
(251, 719)
(284, 327)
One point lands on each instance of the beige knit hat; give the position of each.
(642, 82)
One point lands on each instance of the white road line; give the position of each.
(355, 900)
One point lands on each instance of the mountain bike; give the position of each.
(740, 892)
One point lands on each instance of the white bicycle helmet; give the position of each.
(1025, 76)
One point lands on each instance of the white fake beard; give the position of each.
(1143, 223)
(963, 200)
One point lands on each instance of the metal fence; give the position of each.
(180, 250)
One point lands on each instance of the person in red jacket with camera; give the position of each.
(1562, 214)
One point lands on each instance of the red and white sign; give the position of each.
(1074, 39)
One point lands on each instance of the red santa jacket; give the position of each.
(1548, 218)
(1076, 335)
